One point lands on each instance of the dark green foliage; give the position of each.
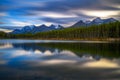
(3, 35)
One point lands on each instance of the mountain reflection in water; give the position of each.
(59, 61)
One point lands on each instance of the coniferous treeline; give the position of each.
(3, 35)
(103, 31)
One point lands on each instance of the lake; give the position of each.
(59, 60)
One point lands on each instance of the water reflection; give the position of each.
(59, 58)
(2, 46)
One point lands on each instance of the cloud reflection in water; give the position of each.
(31, 60)
(38, 56)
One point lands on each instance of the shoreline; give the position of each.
(77, 40)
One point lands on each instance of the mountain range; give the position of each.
(35, 29)
(95, 21)
(42, 28)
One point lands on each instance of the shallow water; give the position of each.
(59, 60)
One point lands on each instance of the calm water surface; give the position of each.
(59, 60)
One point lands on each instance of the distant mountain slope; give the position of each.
(79, 23)
(35, 29)
(95, 21)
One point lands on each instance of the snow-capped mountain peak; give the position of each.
(95, 21)
(34, 29)
(98, 20)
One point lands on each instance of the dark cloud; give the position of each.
(25, 8)
(64, 6)
(65, 20)
(114, 1)
(2, 23)
(6, 5)
(58, 21)
(60, 6)
(10, 27)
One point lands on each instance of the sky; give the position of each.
(65, 12)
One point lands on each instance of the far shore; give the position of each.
(85, 39)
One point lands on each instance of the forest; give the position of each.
(94, 32)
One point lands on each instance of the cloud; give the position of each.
(64, 6)
(5, 30)
(116, 2)
(57, 9)
(83, 9)
(20, 23)
(10, 27)
(3, 14)
(54, 15)
(101, 13)
(64, 21)
(2, 23)
(55, 20)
